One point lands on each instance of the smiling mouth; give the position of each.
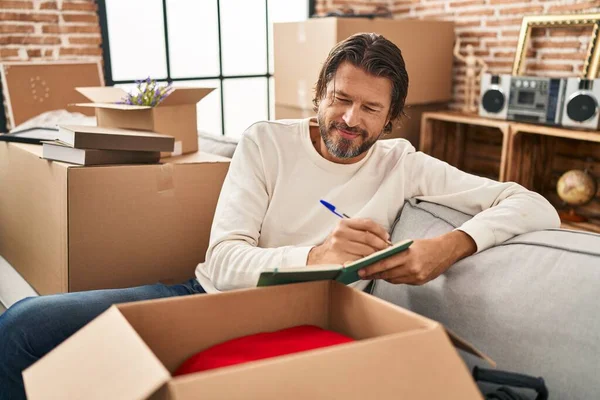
(348, 135)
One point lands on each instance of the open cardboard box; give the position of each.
(175, 115)
(67, 228)
(130, 351)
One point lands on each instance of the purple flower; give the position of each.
(149, 93)
(155, 96)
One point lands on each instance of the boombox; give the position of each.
(581, 103)
(569, 102)
(536, 99)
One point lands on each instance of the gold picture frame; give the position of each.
(592, 60)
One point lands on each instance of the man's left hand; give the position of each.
(425, 259)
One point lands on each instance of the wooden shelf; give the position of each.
(529, 154)
(588, 136)
(582, 226)
(452, 141)
(463, 118)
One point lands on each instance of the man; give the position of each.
(269, 215)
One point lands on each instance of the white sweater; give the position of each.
(269, 215)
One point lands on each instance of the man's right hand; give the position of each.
(352, 238)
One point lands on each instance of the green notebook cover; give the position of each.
(345, 275)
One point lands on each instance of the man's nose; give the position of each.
(351, 116)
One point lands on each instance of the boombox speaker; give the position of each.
(495, 90)
(581, 103)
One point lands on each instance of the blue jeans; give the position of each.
(35, 325)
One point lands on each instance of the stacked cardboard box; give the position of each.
(302, 47)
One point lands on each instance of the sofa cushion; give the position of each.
(530, 303)
(217, 144)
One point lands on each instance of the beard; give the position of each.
(341, 147)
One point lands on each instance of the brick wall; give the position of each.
(49, 30)
(492, 27)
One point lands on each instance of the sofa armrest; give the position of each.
(531, 303)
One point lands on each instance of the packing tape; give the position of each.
(177, 149)
(164, 179)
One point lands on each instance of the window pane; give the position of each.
(128, 87)
(245, 103)
(243, 37)
(137, 40)
(284, 11)
(193, 38)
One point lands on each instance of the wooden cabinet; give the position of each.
(539, 155)
(475, 145)
(534, 156)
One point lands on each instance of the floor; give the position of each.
(12, 286)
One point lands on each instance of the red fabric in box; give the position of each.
(260, 346)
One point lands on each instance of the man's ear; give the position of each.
(387, 128)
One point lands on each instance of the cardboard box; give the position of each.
(409, 128)
(300, 49)
(130, 351)
(32, 88)
(67, 228)
(175, 115)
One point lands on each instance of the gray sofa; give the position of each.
(532, 304)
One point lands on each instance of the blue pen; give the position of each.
(332, 208)
(340, 214)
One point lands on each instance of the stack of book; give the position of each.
(92, 145)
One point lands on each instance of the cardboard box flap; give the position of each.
(382, 315)
(106, 355)
(462, 344)
(113, 106)
(106, 94)
(183, 95)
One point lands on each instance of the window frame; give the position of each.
(103, 21)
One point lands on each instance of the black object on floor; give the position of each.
(508, 380)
